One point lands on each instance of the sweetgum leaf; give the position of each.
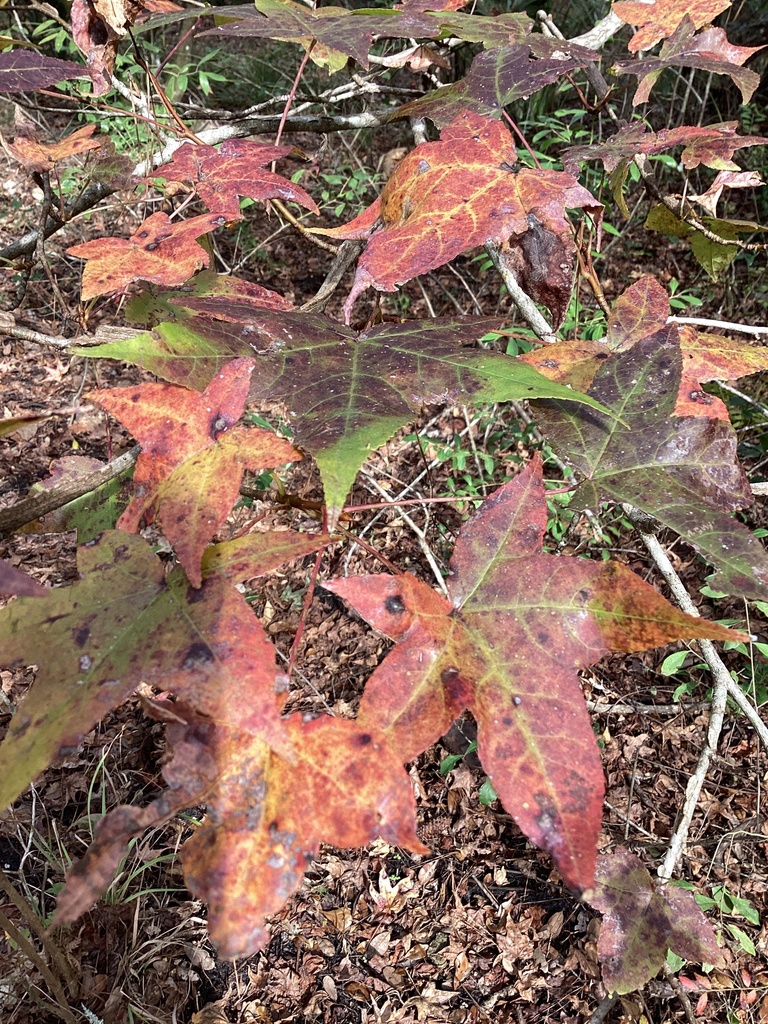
(450, 196)
(708, 50)
(236, 168)
(508, 646)
(712, 145)
(340, 33)
(125, 622)
(266, 816)
(25, 71)
(162, 251)
(193, 456)
(642, 920)
(713, 256)
(497, 77)
(659, 18)
(681, 470)
(14, 581)
(346, 393)
(92, 513)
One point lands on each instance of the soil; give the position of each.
(482, 929)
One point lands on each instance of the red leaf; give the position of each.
(162, 251)
(641, 921)
(13, 581)
(508, 646)
(237, 168)
(193, 456)
(659, 18)
(450, 196)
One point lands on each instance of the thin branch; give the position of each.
(521, 299)
(36, 505)
(724, 325)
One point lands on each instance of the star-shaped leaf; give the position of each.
(681, 470)
(708, 50)
(508, 645)
(338, 33)
(36, 156)
(658, 19)
(266, 816)
(236, 168)
(125, 622)
(346, 394)
(193, 456)
(450, 196)
(162, 251)
(642, 920)
(499, 76)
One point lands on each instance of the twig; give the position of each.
(36, 505)
(301, 228)
(346, 254)
(724, 325)
(603, 1009)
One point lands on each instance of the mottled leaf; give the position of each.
(681, 470)
(714, 256)
(236, 168)
(14, 581)
(658, 19)
(151, 306)
(346, 394)
(40, 157)
(725, 180)
(266, 816)
(97, 28)
(497, 77)
(642, 920)
(339, 33)
(450, 196)
(712, 145)
(162, 251)
(193, 456)
(125, 622)
(708, 50)
(508, 646)
(92, 513)
(25, 71)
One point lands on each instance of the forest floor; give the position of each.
(483, 928)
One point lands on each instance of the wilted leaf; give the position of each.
(725, 180)
(682, 470)
(658, 19)
(450, 196)
(125, 622)
(193, 456)
(42, 157)
(642, 920)
(162, 251)
(266, 816)
(23, 71)
(97, 28)
(708, 50)
(508, 645)
(236, 168)
(346, 393)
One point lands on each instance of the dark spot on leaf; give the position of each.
(143, 234)
(449, 675)
(394, 604)
(506, 720)
(81, 636)
(364, 739)
(136, 397)
(151, 247)
(542, 637)
(197, 656)
(601, 355)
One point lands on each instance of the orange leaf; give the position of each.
(162, 251)
(40, 157)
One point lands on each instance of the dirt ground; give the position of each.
(480, 930)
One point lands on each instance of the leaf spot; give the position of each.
(197, 656)
(394, 604)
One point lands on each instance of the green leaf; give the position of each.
(347, 393)
(673, 662)
(742, 938)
